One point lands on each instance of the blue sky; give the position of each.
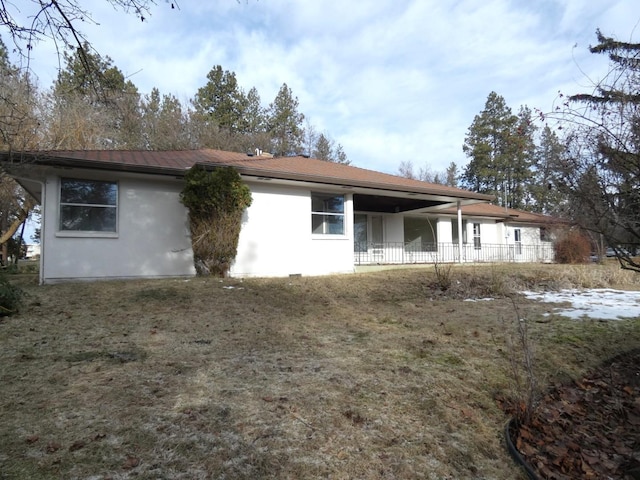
(390, 80)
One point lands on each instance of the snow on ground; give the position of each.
(602, 303)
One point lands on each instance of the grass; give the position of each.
(370, 376)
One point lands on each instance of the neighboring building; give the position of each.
(33, 251)
(117, 214)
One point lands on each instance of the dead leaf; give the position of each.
(131, 462)
(53, 447)
(77, 445)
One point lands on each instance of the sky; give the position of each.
(389, 80)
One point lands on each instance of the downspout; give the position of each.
(42, 230)
(460, 233)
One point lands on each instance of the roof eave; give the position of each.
(46, 159)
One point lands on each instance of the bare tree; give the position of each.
(424, 174)
(31, 21)
(600, 171)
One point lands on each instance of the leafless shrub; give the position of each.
(520, 353)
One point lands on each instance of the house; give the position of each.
(117, 214)
(33, 251)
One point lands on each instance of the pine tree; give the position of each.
(451, 175)
(164, 123)
(92, 105)
(323, 149)
(546, 198)
(285, 123)
(222, 101)
(501, 148)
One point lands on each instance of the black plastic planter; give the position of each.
(512, 426)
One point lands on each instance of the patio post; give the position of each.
(460, 233)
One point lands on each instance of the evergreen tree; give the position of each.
(254, 114)
(501, 148)
(164, 124)
(92, 105)
(340, 156)
(545, 197)
(222, 101)
(518, 169)
(451, 175)
(326, 149)
(285, 123)
(323, 149)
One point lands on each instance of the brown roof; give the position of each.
(509, 214)
(287, 168)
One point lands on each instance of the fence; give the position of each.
(408, 253)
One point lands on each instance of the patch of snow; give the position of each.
(600, 303)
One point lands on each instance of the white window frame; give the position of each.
(325, 214)
(62, 232)
(517, 240)
(477, 241)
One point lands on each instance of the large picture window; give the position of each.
(88, 205)
(420, 234)
(327, 214)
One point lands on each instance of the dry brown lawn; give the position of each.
(367, 376)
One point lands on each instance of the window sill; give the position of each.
(81, 234)
(328, 236)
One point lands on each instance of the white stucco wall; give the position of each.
(276, 237)
(152, 238)
(530, 235)
(445, 231)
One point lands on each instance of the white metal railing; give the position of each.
(407, 253)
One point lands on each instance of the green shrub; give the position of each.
(216, 201)
(573, 248)
(10, 296)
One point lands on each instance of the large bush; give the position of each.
(216, 201)
(572, 248)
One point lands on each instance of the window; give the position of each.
(420, 234)
(88, 205)
(517, 238)
(454, 231)
(327, 214)
(545, 236)
(360, 233)
(476, 236)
